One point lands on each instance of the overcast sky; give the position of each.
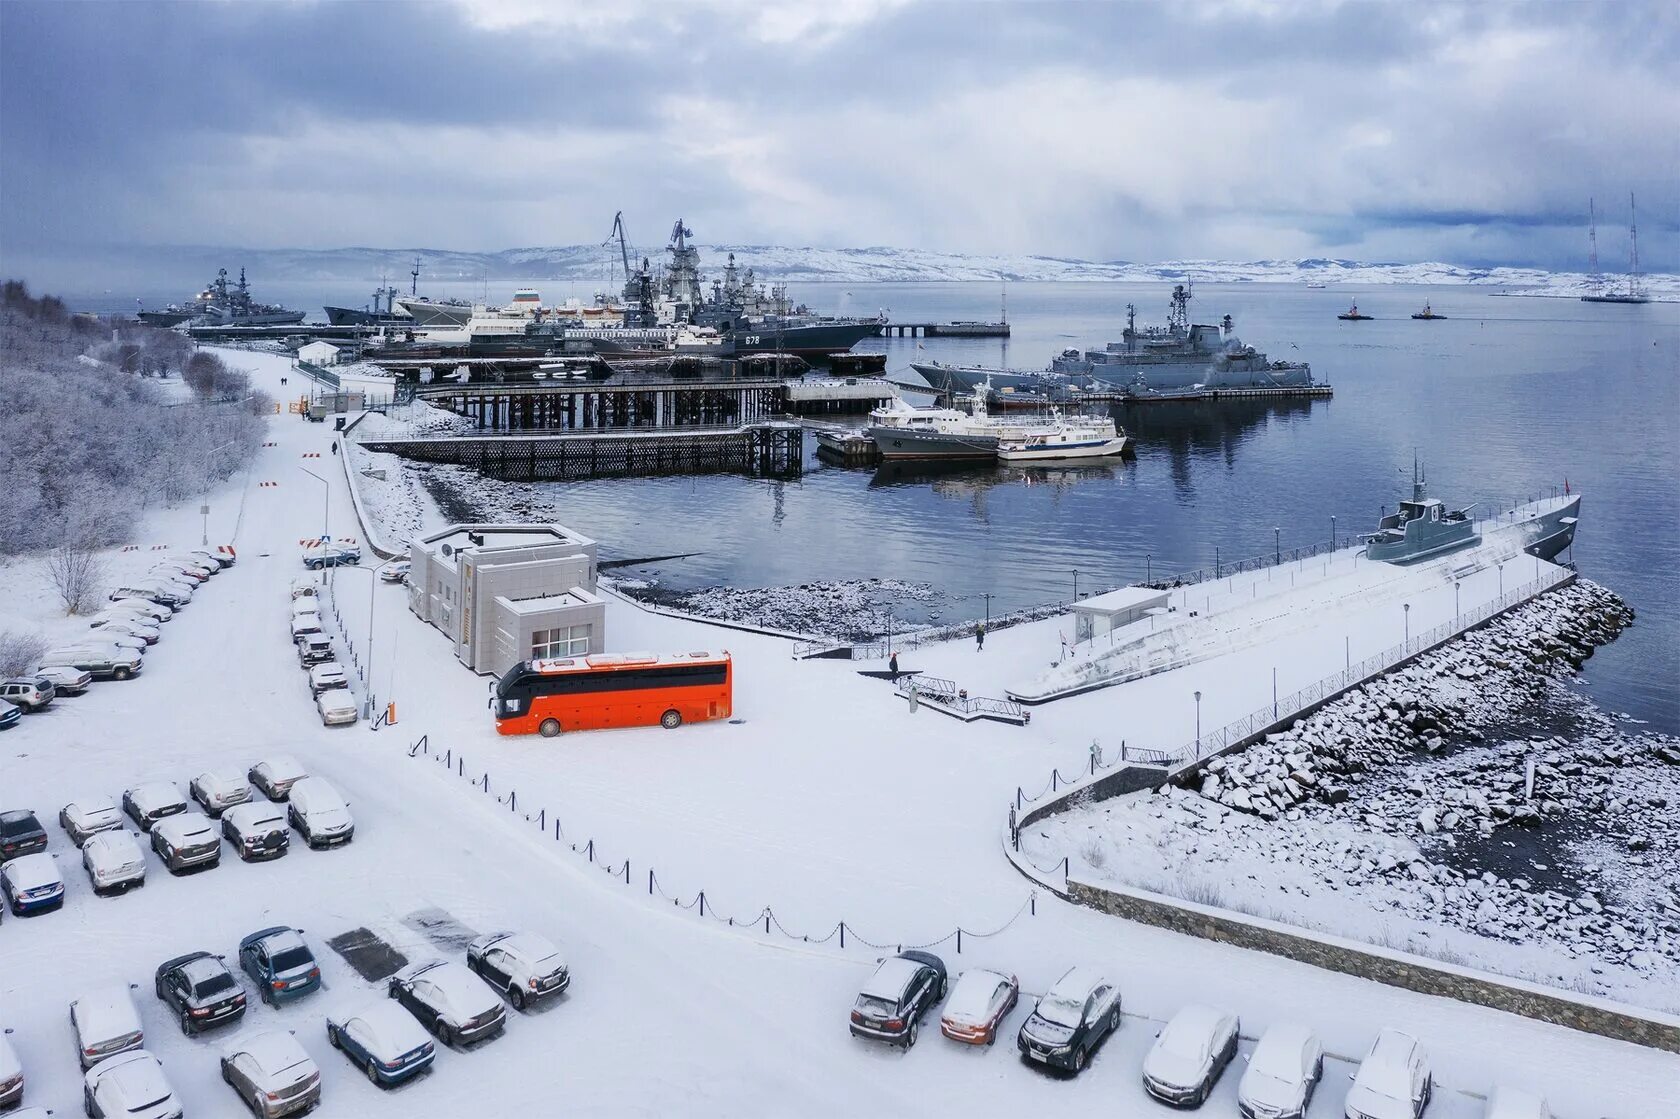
(1239, 130)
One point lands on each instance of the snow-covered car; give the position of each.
(114, 862)
(1077, 1013)
(161, 575)
(327, 676)
(306, 605)
(319, 813)
(383, 1041)
(272, 1074)
(1283, 1072)
(10, 715)
(140, 606)
(331, 555)
(1393, 1080)
(20, 834)
(279, 961)
(119, 640)
(257, 831)
(217, 792)
(186, 841)
(105, 1023)
(336, 706)
(174, 573)
(121, 621)
(131, 1086)
(221, 560)
(313, 648)
(65, 680)
(524, 965)
(1189, 1055)
(395, 572)
(88, 816)
(103, 661)
(449, 1000)
(166, 592)
(304, 624)
(147, 804)
(892, 1001)
(31, 693)
(32, 884)
(979, 1002)
(201, 991)
(1516, 1103)
(303, 587)
(194, 564)
(11, 1076)
(275, 776)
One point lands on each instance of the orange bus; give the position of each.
(614, 690)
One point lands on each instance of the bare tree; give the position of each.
(20, 651)
(79, 575)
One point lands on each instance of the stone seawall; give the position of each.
(1413, 973)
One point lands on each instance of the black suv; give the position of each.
(891, 1005)
(20, 834)
(201, 990)
(1075, 1015)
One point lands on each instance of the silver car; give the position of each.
(273, 1075)
(88, 816)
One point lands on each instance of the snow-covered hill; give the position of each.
(878, 264)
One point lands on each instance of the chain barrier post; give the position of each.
(650, 881)
(702, 903)
(842, 934)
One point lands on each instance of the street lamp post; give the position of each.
(326, 497)
(373, 582)
(1277, 545)
(1198, 724)
(1332, 532)
(1076, 584)
(1274, 691)
(1455, 598)
(1148, 568)
(1501, 568)
(204, 506)
(987, 596)
(1408, 616)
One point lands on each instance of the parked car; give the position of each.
(892, 1002)
(89, 816)
(131, 1086)
(449, 1001)
(30, 693)
(257, 831)
(103, 661)
(327, 676)
(10, 715)
(1075, 1015)
(979, 1002)
(65, 680)
(11, 1076)
(121, 621)
(115, 864)
(279, 961)
(186, 841)
(383, 1042)
(1189, 1055)
(201, 991)
(105, 1023)
(1393, 1080)
(525, 966)
(176, 574)
(337, 707)
(1516, 1103)
(272, 1074)
(221, 560)
(1283, 1072)
(303, 587)
(119, 640)
(395, 572)
(20, 834)
(141, 606)
(331, 555)
(147, 804)
(305, 604)
(32, 884)
(217, 792)
(305, 624)
(181, 582)
(174, 597)
(193, 564)
(313, 648)
(275, 776)
(319, 814)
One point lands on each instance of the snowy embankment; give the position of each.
(1370, 818)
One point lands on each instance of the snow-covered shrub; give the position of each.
(20, 651)
(78, 574)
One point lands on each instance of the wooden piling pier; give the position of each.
(769, 450)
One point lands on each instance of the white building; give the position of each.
(508, 593)
(320, 353)
(1103, 613)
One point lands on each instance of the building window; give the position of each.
(566, 641)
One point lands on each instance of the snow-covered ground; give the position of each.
(825, 799)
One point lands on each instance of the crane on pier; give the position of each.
(623, 247)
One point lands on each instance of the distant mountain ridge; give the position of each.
(877, 264)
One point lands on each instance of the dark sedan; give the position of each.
(893, 1000)
(1073, 1018)
(450, 1001)
(201, 990)
(20, 834)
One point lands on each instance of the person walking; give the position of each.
(979, 636)
(892, 665)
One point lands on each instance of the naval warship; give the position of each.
(1424, 527)
(222, 304)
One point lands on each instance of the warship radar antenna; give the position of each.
(1595, 279)
(1633, 247)
(414, 281)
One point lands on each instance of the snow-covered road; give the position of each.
(827, 801)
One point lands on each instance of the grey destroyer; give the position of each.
(223, 304)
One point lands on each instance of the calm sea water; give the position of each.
(1505, 397)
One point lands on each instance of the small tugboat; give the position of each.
(1352, 314)
(1420, 528)
(1428, 312)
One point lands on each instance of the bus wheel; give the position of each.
(671, 720)
(549, 728)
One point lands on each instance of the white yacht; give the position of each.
(1082, 437)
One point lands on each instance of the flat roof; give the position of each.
(574, 597)
(1126, 598)
(502, 536)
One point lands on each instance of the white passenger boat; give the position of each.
(1078, 438)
